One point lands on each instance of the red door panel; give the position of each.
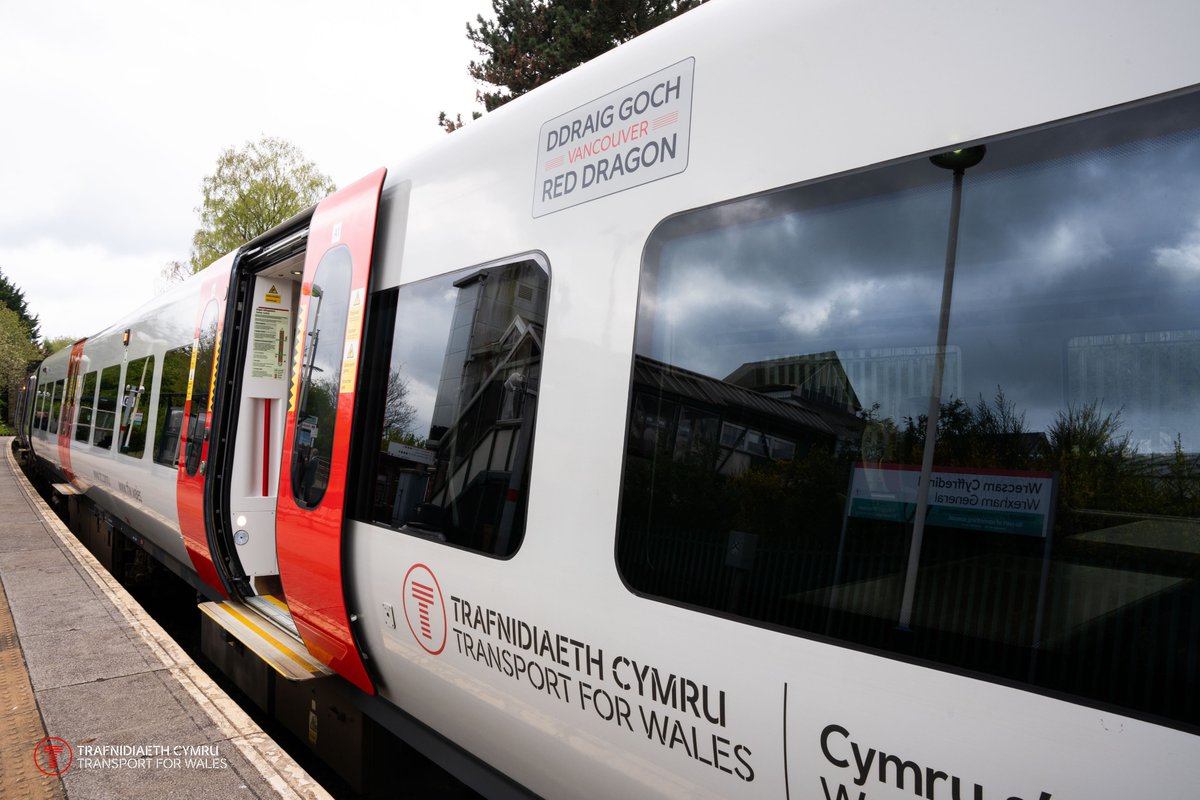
(193, 449)
(309, 533)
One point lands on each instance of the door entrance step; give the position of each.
(284, 652)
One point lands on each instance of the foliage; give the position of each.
(1095, 460)
(17, 353)
(18, 340)
(252, 190)
(52, 346)
(1101, 480)
(13, 298)
(398, 414)
(451, 125)
(991, 432)
(532, 41)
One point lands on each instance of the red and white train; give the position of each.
(595, 443)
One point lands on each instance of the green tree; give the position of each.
(17, 355)
(252, 190)
(52, 346)
(532, 41)
(13, 298)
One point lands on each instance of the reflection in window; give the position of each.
(106, 407)
(172, 394)
(783, 379)
(200, 389)
(39, 413)
(320, 376)
(87, 404)
(134, 401)
(56, 403)
(39, 408)
(451, 461)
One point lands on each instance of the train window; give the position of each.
(87, 404)
(42, 421)
(56, 398)
(456, 412)
(784, 377)
(200, 387)
(139, 375)
(320, 376)
(106, 406)
(168, 414)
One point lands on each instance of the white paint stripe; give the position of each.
(277, 768)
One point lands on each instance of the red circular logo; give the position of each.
(424, 609)
(53, 756)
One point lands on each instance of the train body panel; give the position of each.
(625, 506)
(121, 458)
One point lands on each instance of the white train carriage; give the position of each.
(798, 401)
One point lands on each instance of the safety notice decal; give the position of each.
(636, 134)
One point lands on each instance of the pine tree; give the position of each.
(532, 41)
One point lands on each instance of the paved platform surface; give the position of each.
(96, 701)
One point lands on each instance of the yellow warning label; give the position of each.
(273, 295)
(354, 323)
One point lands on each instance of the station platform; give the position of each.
(97, 701)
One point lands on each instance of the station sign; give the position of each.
(996, 501)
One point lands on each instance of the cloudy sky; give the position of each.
(114, 113)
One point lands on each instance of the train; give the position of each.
(809, 410)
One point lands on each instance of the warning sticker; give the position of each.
(354, 322)
(636, 134)
(273, 295)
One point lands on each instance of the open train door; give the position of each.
(191, 457)
(316, 445)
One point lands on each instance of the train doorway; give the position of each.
(281, 429)
(250, 406)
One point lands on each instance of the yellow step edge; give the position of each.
(285, 655)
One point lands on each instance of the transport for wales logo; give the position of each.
(424, 609)
(53, 756)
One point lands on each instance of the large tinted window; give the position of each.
(172, 395)
(40, 414)
(320, 376)
(56, 404)
(139, 376)
(106, 406)
(455, 413)
(785, 363)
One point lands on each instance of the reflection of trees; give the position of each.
(1094, 460)
(310, 467)
(399, 415)
(990, 433)
(1089, 449)
(322, 404)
